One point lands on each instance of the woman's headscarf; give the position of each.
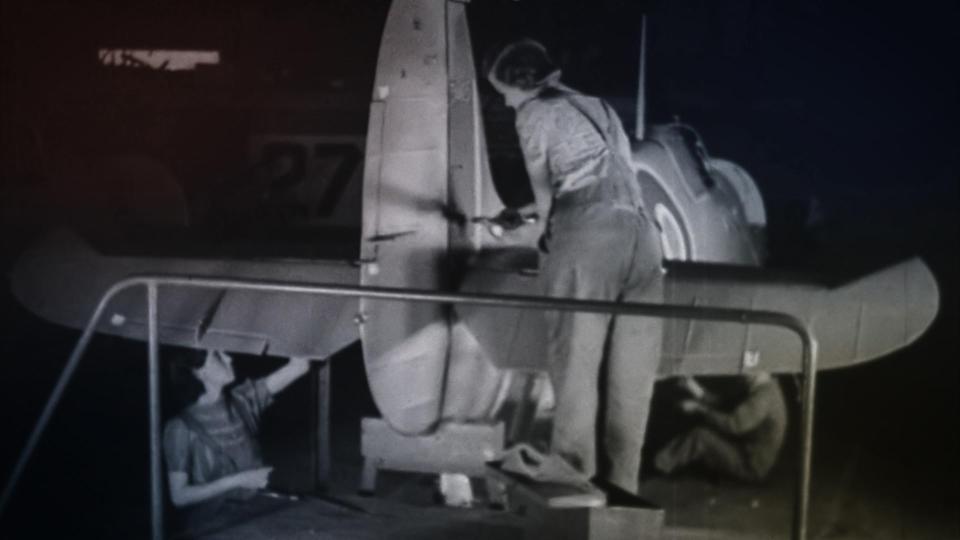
(523, 64)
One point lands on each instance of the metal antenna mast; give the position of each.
(642, 82)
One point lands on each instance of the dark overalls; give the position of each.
(599, 245)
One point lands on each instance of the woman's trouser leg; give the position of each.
(634, 357)
(576, 350)
(578, 266)
(707, 447)
(635, 352)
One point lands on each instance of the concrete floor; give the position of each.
(89, 479)
(854, 498)
(878, 474)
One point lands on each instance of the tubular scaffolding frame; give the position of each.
(152, 284)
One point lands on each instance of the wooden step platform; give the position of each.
(452, 448)
(547, 512)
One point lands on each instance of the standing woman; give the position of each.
(214, 465)
(598, 244)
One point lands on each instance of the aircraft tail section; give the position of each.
(405, 235)
(62, 279)
(425, 159)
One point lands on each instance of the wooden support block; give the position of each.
(368, 477)
(623, 518)
(606, 523)
(320, 373)
(452, 448)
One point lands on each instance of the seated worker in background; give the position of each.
(211, 448)
(742, 443)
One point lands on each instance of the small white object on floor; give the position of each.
(456, 490)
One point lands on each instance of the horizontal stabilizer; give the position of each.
(62, 279)
(852, 323)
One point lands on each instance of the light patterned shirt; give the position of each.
(564, 147)
(187, 452)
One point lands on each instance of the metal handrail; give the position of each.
(669, 311)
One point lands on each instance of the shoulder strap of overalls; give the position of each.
(573, 103)
(614, 152)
